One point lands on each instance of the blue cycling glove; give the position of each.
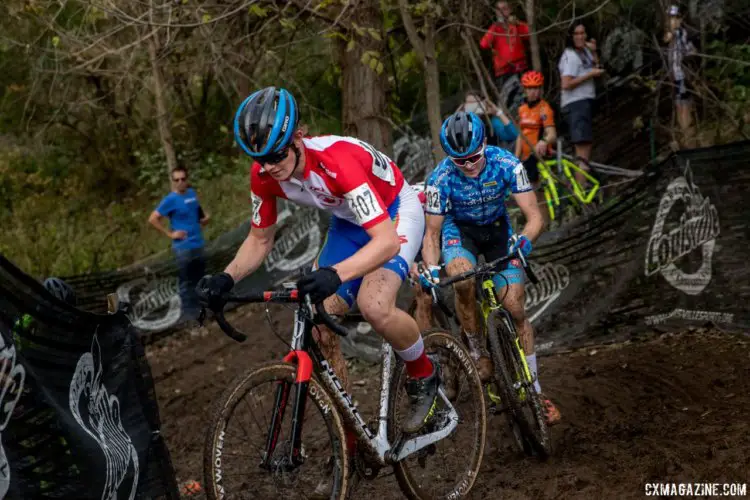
(430, 278)
(522, 243)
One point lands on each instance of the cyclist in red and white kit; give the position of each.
(376, 229)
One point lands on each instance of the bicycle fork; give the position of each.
(527, 376)
(299, 357)
(489, 304)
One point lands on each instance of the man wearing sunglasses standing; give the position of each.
(467, 217)
(375, 231)
(186, 218)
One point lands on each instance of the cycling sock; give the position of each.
(531, 361)
(418, 365)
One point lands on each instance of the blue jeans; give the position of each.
(192, 267)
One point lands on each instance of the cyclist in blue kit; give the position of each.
(466, 217)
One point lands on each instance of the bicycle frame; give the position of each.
(488, 304)
(550, 183)
(376, 444)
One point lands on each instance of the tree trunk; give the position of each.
(363, 89)
(536, 60)
(162, 116)
(432, 92)
(425, 49)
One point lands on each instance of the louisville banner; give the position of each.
(78, 413)
(669, 251)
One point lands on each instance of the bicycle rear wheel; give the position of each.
(449, 467)
(236, 441)
(522, 399)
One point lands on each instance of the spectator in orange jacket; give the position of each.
(506, 38)
(537, 122)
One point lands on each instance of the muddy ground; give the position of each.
(672, 408)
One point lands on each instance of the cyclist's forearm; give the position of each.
(431, 248)
(249, 257)
(370, 257)
(533, 227)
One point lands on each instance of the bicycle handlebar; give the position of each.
(489, 267)
(278, 297)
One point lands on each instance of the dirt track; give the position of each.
(668, 409)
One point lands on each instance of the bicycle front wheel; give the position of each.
(522, 399)
(234, 457)
(449, 467)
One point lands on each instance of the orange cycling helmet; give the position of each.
(532, 79)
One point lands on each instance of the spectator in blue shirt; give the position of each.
(500, 130)
(186, 218)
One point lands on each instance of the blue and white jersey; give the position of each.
(479, 201)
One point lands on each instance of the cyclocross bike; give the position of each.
(512, 392)
(251, 452)
(579, 198)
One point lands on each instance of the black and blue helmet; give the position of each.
(462, 134)
(265, 122)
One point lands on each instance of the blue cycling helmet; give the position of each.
(265, 122)
(462, 134)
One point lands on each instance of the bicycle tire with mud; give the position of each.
(223, 410)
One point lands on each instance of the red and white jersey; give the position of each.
(343, 175)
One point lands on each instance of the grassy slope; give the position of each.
(78, 234)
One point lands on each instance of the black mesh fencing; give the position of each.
(79, 417)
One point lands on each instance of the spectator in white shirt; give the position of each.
(578, 67)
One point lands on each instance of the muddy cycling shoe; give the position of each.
(423, 394)
(551, 413)
(479, 355)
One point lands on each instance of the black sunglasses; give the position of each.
(179, 179)
(274, 158)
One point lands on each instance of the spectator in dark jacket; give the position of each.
(186, 218)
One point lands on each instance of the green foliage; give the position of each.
(81, 163)
(46, 237)
(729, 73)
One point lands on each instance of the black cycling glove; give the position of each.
(319, 284)
(212, 290)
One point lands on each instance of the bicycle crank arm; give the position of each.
(409, 446)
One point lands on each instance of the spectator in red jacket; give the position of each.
(506, 37)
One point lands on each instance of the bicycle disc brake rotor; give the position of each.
(284, 472)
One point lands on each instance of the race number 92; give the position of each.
(363, 204)
(433, 199)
